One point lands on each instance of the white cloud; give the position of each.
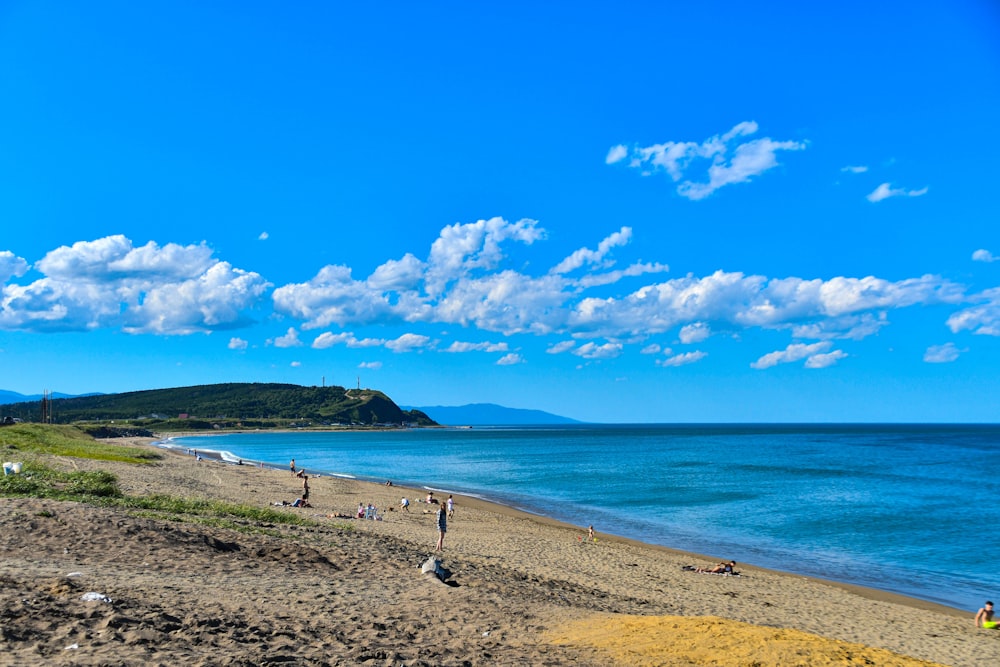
(816, 356)
(859, 169)
(885, 191)
(585, 256)
(238, 344)
(825, 360)
(328, 339)
(290, 339)
(560, 347)
(463, 248)
(263, 236)
(458, 346)
(510, 359)
(372, 365)
(11, 266)
(397, 275)
(595, 351)
(853, 327)
(980, 255)
(982, 319)
(331, 297)
(752, 301)
(652, 348)
(408, 342)
(694, 333)
(150, 289)
(941, 354)
(616, 154)
(728, 160)
(295, 364)
(682, 359)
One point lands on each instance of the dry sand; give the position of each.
(523, 590)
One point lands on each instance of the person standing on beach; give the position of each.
(305, 487)
(984, 617)
(451, 506)
(404, 504)
(442, 524)
(292, 466)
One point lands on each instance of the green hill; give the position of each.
(233, 405)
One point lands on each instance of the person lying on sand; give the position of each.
(721, 568)
(301, 502)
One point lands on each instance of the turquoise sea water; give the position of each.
(910, 509)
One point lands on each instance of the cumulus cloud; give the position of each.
(652, 348)
(459, 346)
(560, 347)
(238, 344)
(371, 365)
(594, 351)
(859, 169)
(11, 266)
(941, 354)
(409, 342)
(982, 319)
(702, 168)
(825, 359)
(694, 333)
(752, 301)
(466, 279)
(295, 364)
(885, 191)
(109, 283)
(290, 339)
(682, 359)
(815, 354)
(263, 236)
(980, 255)
(510, 359)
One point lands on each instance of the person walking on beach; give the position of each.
(984, 617)
(292, 466)
(442, 524)
(451, 506)
(404, 504)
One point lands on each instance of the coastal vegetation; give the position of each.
(36, 446)
(224, 406)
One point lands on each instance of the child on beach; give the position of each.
(442, 524)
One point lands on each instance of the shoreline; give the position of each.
(523, 589)
(497, 505)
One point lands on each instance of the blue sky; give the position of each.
(663, 212)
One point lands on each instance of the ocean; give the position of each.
(910, 509)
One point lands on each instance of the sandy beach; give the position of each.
(522, 590)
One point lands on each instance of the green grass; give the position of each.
(56, 440)
(33, 442)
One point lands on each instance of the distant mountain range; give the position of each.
(8, 397)
(489, 414)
